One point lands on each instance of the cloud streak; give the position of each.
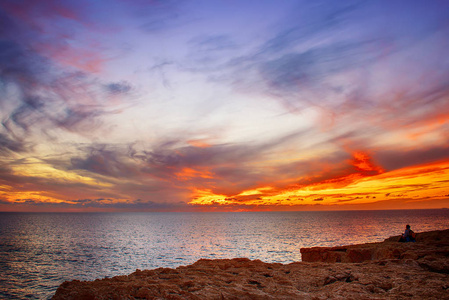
(176, 106)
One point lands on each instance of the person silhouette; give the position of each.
(408, 235)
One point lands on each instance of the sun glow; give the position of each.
(25, 197)
(411, 184)
(207, 197)
(257, 191)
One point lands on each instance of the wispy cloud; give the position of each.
(134, 105)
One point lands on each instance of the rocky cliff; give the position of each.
(430, 251)
(389, 270)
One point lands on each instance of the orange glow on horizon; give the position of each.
(207, 197)
(413, 184)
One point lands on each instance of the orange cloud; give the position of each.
(362, 161)
(207, 197)
(200, 143)
(189, 173)
(411, 186)
(429, 126)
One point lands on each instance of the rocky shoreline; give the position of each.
(386, 270)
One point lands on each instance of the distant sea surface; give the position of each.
(38, 251)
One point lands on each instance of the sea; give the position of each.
(39, 251)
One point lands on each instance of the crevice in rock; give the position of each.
(340, 250)
(255, 282)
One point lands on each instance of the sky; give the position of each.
(223, 105)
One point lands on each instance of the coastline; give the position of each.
(367, 271)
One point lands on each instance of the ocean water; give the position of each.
(38, 251)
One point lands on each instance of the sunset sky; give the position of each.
(223, 105)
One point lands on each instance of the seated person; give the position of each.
(408, 235)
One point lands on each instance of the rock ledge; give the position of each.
(370, 271)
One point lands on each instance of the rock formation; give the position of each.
(389, 270)
(431, 251)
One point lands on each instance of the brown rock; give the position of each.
(404, 271)
(429, 244)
